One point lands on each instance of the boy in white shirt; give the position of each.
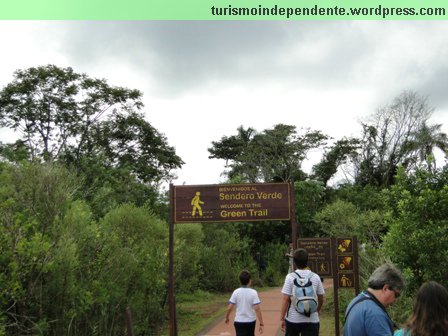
(247, 305)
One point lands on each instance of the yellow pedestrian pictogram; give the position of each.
(196, 203)
(344, 245)
(323, 269)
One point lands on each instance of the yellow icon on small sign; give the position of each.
(344, 245)
(345, 281)
(345, 262)
(322, 267)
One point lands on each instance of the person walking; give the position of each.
(366, 314)
(247, 305)
(293, 322)
(430, 312)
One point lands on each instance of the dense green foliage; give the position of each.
(65, 273)
(418, 217)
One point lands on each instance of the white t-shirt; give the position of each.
(245, 298)
(292, 315)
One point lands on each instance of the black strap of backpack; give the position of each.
(289, 305)
(311, 274)
(355, 303)
(369, 296)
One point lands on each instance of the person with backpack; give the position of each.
(247, 305)
(303, 298)
(430, 313)
(366, 314)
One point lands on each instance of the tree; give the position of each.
(368, 197)
(229, 148)
(33, 200)
(53, 107)
(60, 114)
(342, 218)
(274, 155)
(188, 253)
(15, 152)
(63, 272)
(310, 198)
(417, 212)
(397, 134)
(127, 140)
(386, 136)
(423, 142)
(224, 254)
(337, 155)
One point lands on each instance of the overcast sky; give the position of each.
(202, 79)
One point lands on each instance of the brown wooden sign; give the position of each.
(320, 254)
(232, 202)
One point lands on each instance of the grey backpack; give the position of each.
(304, 297)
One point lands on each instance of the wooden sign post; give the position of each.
(347, 270)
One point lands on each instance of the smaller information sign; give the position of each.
(320, 254)
(346, 262)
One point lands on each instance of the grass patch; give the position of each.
(197, 310)
(327, 324)
(327, 314)
(327, 317)
(200, 309)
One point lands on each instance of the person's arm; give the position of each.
(320, 302)
(320, 291)
(259, 317)
(229, 310)
(285, 304)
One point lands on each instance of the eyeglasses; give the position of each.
(396, 293)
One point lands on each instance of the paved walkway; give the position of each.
(270, 308)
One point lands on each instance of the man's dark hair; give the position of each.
(301, 258)
(244, 277)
